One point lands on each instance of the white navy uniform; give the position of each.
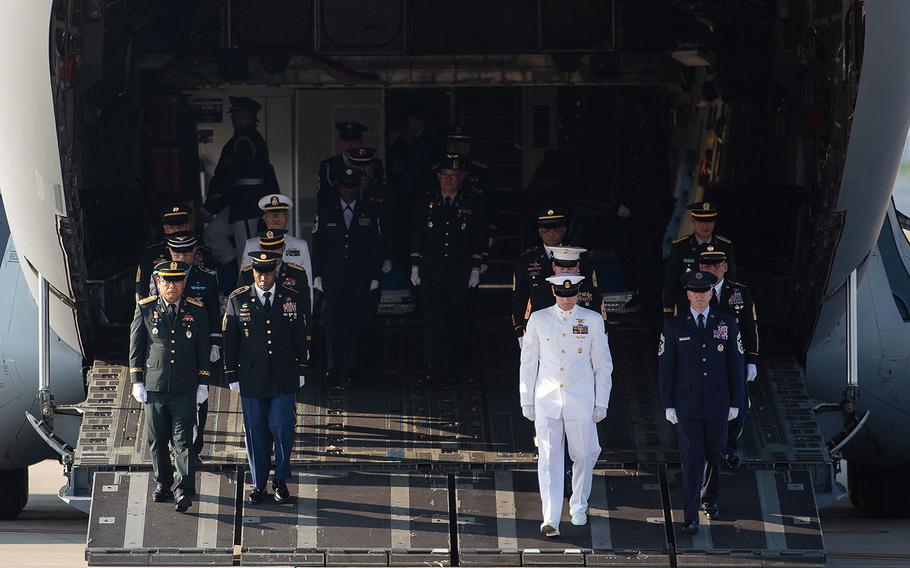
(566, 370)
(295, 250)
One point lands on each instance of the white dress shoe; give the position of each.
(579, 519)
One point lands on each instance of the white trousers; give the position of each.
(243, 230)
(217, 237)
(584, 449)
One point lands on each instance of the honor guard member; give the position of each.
(700, 361)
(201, 284)
(535, 265)
(266, 346)
(684, 251)
(276, 215)
(478, 180)
(173, 220)
(243, 176)
(350, 136)
(564, 386)
(169, 369)
(289, 274)
(447, 247)
(733, 299)
(380, 197)
(347, 258)
(567, 260)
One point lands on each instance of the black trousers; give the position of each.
(700, 445)
(347, 314)
(202, 413)
(170, 417)
(444, 305)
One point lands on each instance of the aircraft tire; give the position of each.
(14, 493)
(879, 491)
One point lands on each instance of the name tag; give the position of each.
(688, 261)
(685, 338)
(292, 252)
(331, 224)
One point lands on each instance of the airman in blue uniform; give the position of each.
(701, 388)
(350, 136)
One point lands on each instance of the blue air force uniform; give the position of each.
(347, 257)
(701, 377)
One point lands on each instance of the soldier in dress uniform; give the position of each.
(683, 253)
(447, 249)
(276, 215)
(535, 265)
(289, 274)
(350, 136)
(735, 300)
(701, 388)
(380, 196)
(243, 176)
(567, 260)
(173, 220)
(169, 369)
(347, 258)
(478, 180)
(565, 381)
(266, 347)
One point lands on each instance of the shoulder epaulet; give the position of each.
(205, 269)
(155, 244)
(149, 299)
(723, 239)
(239, 291)
(295, 265)
(289, 289)
(530, 249)
(479, 164)
(680, 239)
(246, 268)
(737, 284)
(195, 302)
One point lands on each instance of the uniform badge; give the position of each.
(464, 226)
(579, 328)
(365, 222)
(292, 252)
(739, 343)
(154, 331)
(736, 298)
(246, 332)
(661, 345)
(316, 224)
(580, 349)
(720, 332)
(720, 347)
(189, 334)
(429, 224)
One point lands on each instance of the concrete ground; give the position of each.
(50, 533)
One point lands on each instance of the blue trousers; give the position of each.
(265, 420)
(700, 445)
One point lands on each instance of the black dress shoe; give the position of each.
(732, 460)
(282, 495)
(255, 496)
(689, 527)
(183, 503)
(711, 510)
(162, 494)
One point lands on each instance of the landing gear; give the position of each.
(879, 491)
(14, 495)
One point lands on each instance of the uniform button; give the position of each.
(561, 369)
(447, 234)
(269, 341)
(172, 332)
(172, 351)
(268, 321)
(702, 345)
(562, 386)
(703, 359)
(269, 331)
(173, 341)
(563, 334)
(705, 373)
(172, 361)
(270, 352)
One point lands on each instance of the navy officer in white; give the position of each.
(702, 384)
(565, 381)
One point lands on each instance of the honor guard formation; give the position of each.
(244, 299)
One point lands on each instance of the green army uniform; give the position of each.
(684, 256)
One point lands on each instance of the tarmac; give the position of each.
(50, 533)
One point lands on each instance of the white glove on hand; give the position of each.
(139, 393)
(302, 381)
(234, 386)
(521, 342)
(671, 416)
(600, 412)
(484, 268)
(733, 413)
(317, 283)
(202, 393)
(490, 241)
(751, 372)
(474, 280)
(386, 266)
(415, 276)
(527, 411)
(215, 353)
(374, 284)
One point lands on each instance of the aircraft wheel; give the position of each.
(879, 491)
(14, 493)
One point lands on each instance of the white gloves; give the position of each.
(474, 280)
(623, 212)
(484, 268)
(527, 410)
(302, 381)
(671, 416)
(490, 241)
(317, 283)
(234, 386)
(415, 276)
(374, 284)
(139, 393)
(751, 372)
(202, 393)
(600, 412)
(733, 413)
(521, 342)
(215, 353)
(386, 266)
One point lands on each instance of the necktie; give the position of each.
(701, 322)
(348, 216)
(172, 311)
(267, 303)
